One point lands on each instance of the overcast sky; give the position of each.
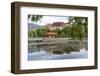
(50, 19)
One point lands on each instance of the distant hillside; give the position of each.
(33, 26)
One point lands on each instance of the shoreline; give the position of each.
(46, 41)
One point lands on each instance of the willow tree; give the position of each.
(79, 27)
(35, 18)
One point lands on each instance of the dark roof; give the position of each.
(58, 24)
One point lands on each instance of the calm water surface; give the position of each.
(57, 51)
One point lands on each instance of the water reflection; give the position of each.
(57, 51)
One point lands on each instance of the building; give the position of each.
(57, 25)
(53, 26)
(51, 34)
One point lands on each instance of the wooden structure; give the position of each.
(50, 34)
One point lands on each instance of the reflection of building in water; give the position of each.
(53, 49)
(59, 48)
(56, 49)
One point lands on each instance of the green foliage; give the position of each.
(35, 18)
(41, 32)
(38, 33)
(58, 31)
(78, 28)
(77, 32)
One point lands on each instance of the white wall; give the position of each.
(5, 42)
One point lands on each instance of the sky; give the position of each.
(50, 19)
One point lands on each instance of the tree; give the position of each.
(66, 31)
(29, 34)
(35, 18)
(58, 31)
(79, 27)
(41, 32)
(32, 34)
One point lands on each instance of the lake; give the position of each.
(57, 51)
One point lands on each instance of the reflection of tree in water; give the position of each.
(58, 48)
(34, 48)
(63, 50)
(86, 46)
